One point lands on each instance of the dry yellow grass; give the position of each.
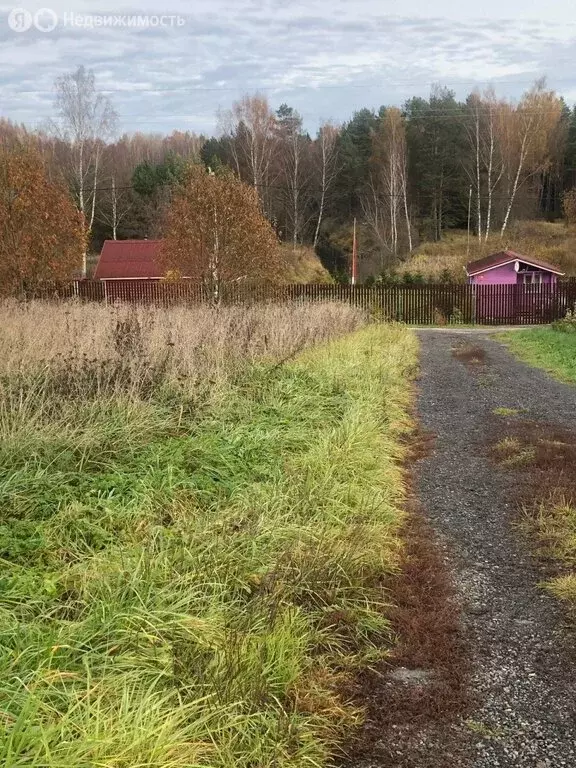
(553, 242)
(303, 265)
(197, 342)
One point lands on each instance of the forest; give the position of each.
(408, 174)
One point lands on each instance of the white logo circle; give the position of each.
(45, 20)
(19, 20)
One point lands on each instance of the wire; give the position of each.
(287, 87)
(285, 187)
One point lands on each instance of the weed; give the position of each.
(503, 411)
(484, 730)
(547, 457)
(511, 452)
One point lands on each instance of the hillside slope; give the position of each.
(553, 242)
(303, 265)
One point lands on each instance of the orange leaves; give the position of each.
(215, 231)
(42, 234)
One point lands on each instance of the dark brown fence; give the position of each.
(415, 304)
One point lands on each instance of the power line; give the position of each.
(308, 188)
(463, 112)
(132, 89)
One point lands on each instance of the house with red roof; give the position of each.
(511, 268)
(129, 260)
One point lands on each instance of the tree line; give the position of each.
(405, 174)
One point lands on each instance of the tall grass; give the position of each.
(196, 517)
(199, 340)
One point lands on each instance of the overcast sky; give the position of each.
(324, 57)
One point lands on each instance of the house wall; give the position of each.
(504, 275)
(548, 278)
(507, 275)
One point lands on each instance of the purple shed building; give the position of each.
(511, 268)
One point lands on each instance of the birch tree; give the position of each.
(215, 231)
(326, 143)
(474, 130)
(251, 127)
(491, 154)
(526, 130)
(115, 203)
(292, 144)
(86, 119)
(386, 201)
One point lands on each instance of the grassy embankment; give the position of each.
(548, 457)
(553, 242)
(545, 348)
(195, 523)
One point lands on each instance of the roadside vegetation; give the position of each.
(551, 348)
(198, 510)
(546, 457)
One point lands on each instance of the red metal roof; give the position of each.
(505, 257)
(125, 259)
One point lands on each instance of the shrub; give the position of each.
(568, 323)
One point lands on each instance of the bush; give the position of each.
(446, 277)
(568, 323)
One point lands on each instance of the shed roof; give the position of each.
(129, 259)
(505, 257)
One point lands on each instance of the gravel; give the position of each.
(524, 672)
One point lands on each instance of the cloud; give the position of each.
(324, 58)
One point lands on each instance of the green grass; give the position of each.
(503, 411)
(545, 348)
(188, 585)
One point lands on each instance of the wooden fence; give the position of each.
(414, 304)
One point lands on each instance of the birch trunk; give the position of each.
(215, 263)
(490, 188)
(478, 198)
(322, 197)
(406, 213)
(295, 190)
(516, 181)
(114, 210)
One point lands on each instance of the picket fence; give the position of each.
(413, 304)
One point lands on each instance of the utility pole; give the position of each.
(354, 256)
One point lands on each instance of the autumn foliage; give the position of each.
(41, 232)
(215, 231)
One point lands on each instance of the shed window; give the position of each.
(532, 278)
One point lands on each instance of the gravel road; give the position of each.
(524, 670)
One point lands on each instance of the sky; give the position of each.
(184, 61)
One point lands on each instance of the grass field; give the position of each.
(545, 348)
(198, 509)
